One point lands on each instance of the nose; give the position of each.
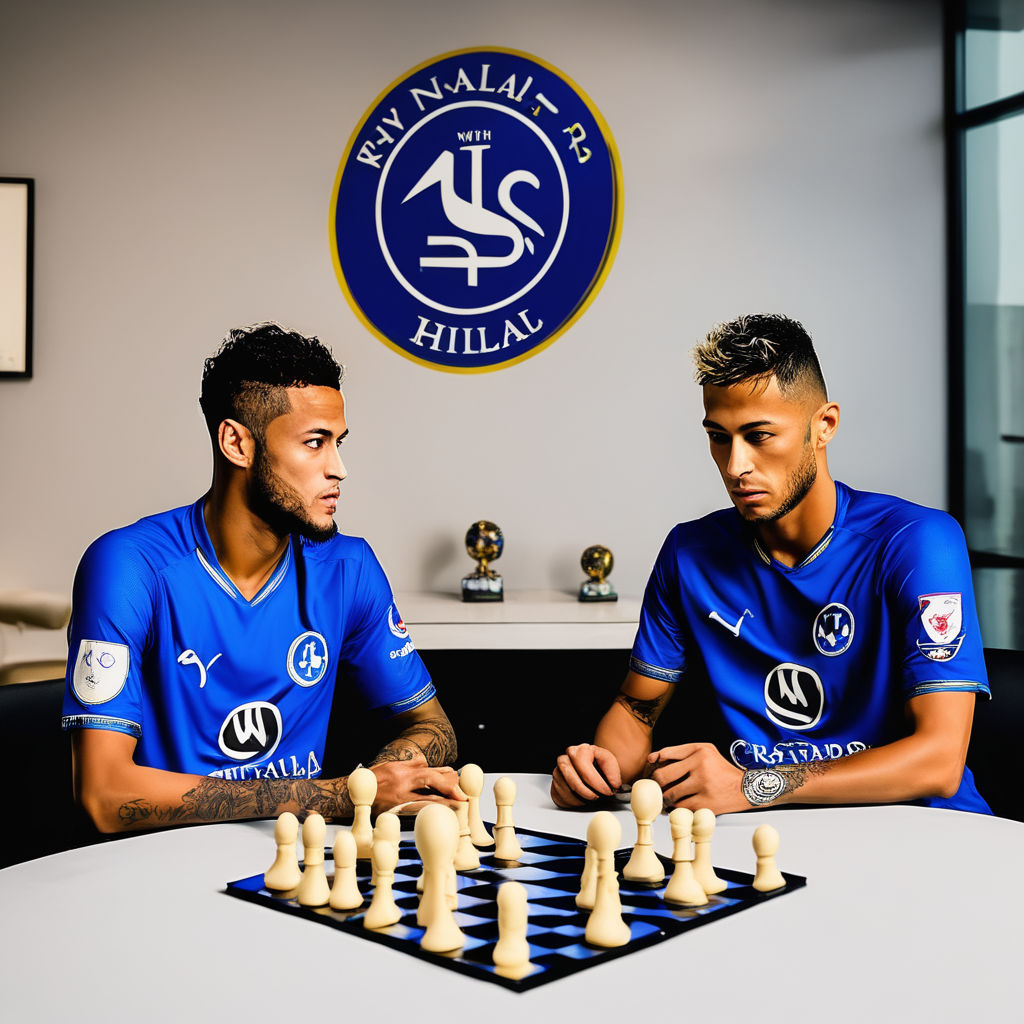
(336, 470)
(739, 463)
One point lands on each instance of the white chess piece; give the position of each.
(387, 829)
(313, 889)
(506, 846)
(345, 894)
(511, 953)
(437, 838)
(284, 873)
(466, 857)
(682, 886)
(383, 911)
(766, 845)
(362, 788)
(703, 829)
(605, 926)
(647, 801)
(588, 880)
(471, 781)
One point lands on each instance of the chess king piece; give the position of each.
(597, 562)
(766, 845)
(484, 542)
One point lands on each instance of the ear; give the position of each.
(826, 423)
(236, 443)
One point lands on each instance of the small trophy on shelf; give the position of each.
(484, 542)
(597, 563)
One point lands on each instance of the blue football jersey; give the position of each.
(162, 646)
(816, 661)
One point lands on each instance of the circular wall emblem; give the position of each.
(251, 732)
(793, 696)
(307, 659)
(833, 629)
(476, 210)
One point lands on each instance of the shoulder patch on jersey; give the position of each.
(395, 623)
(307, 658)
(833, 629)
(101, 671)
(942, 618)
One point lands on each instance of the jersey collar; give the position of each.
(842, 500)
(208, 560)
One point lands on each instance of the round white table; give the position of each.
(908, 914)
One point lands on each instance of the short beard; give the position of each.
(280, 506)
(800, 484)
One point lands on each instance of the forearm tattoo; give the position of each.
(433, 738)
(645, 711)
(227, 800)
(763, 786)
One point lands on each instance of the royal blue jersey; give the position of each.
(816, 661)
(162, 646)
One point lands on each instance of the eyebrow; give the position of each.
(753, 425)
(324, 432)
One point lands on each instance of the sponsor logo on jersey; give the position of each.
(942, 618)
(101, 670)
(793, 696)
(395, 623)
(287, 767)
(403, 651)
(476, 210)
(833, 629)
(307, 658)
(251, 732)
(735, 627)
(747, 754)
(189, 657)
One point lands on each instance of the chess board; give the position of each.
(550, 869)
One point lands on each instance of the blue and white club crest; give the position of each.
(833, 629)
(476, 210)
(307, 658)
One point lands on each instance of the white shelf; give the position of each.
(525, 620)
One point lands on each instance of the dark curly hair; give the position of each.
(759, 346)
(246, 379)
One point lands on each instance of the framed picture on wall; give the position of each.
(16, 228)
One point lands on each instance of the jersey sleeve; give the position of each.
(929, 586)
(112, 609)
(378, 651)
(659, 651)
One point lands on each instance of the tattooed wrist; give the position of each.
(762, 786)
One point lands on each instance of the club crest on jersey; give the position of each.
(476, 210)
(793, 696)
(251, 732)
(942, 618)
(307, 659)
(833, 629)
(101, 671)
(395, 623)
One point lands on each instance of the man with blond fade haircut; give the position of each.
(835, 629)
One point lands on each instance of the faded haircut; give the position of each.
(246, 379)
(757, 347)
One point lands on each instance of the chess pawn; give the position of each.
(512, 952)
(647, 801)
(388, 829)
(588, 880)
(362, 788)
(313, 890)
(506, 846)
(437, 838)
(383, 911)
(471, 781)
(466, 857)
(605, 926)
(703, 829)
(345, 894)
(766, 845)
(284, 873)
(683, 887)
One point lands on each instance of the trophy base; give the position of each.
(482, 588)
(591, 591)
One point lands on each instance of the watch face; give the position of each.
(762, 786)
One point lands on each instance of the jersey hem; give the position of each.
(101, 722)
(667, 675)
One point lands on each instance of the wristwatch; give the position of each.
(763, 785)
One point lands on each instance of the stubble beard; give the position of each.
(280, 506)
(798, 486)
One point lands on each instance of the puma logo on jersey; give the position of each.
(189, 657)
(733, 628)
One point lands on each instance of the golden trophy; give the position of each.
(484, 542)
(597, 563)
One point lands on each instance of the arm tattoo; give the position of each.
(763, 786)
(433, 738)
(645, 711)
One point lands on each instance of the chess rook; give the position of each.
(646, 801)
(605, 926)
(284, 873)
(506, 846)
(682, 887)
(313, 889)
(345, 894)
(766, 845)
(362, 788)
(471, 781)
(703, 829)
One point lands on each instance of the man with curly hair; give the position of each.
(833, 631)
(206, 642)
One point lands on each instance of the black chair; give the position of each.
(997, 734)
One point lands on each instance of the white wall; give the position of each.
(779, 155)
